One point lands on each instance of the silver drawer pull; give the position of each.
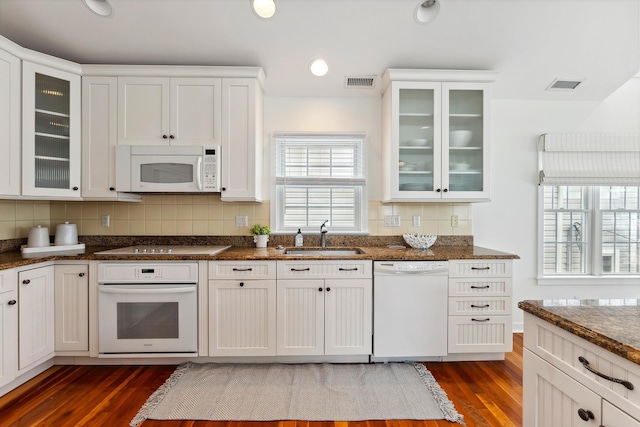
(480, 287)
(348, 269)
(242, 269)
(480, 320)
(481, 268)
(300, 269)
(480, 306)
(585, 363)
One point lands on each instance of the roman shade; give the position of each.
(589, 159)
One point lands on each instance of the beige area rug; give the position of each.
(307, 392)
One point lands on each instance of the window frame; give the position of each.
(594, 274)
(358, 184)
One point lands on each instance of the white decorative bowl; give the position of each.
(420, 241)
(460, 138)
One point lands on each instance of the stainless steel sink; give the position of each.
(323, 251)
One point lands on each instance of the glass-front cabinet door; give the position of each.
(435, 137)
(464, 141)
(415, 169)
(51, 132)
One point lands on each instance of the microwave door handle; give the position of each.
(199, 172)
(152, 290)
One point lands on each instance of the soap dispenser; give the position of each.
(299, 239)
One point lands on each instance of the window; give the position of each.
(319, 178)
(590, 231)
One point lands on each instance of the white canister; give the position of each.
(66, 234)
(38, 237)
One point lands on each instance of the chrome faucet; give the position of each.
(323, 234)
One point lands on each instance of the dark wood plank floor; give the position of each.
(487, 394)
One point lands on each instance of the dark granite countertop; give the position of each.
(12, 259)
(613, 324)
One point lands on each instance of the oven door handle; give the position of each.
(112, 290)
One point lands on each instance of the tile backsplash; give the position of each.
(206, 215)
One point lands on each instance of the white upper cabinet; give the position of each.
(100, 138)
(242, 118)
(50, 132)
(10, 89)
(171, 111)
(435, 136)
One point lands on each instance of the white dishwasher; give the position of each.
(410, 310)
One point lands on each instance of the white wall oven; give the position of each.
(147, 308)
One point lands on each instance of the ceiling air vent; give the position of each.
(558, 84)
(360, 82)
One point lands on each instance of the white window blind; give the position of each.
(589, 159)
(319, 178)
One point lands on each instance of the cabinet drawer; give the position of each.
(360, 269)
(473, 306)
(480, 287)
(480, 334)
(562, 349)
(481, 268)
(242, 270)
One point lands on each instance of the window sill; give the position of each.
(588, 280)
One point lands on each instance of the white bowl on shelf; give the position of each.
(460, 166)
(420, 241)
(419, 142)
(460, 138)
(407, 167)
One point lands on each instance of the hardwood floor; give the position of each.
(487, 394)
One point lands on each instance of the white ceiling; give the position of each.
(529, 42)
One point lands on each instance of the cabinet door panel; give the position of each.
(8, 337)
(300, 317)
(242, 317)
(99, 136)
(10, 143)
(72, 308)
(348, 317)
(50, 132)
(614, 417)
(465, 145)
(241, 140)
(143, 110)
(196, 111)
(559, 398)
(36, 315)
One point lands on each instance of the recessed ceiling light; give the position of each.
(264, 8)
(319, 67)
(99, 7)
(426, 11)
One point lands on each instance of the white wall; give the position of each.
(509, 222)
(297, 114)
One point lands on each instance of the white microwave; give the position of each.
(167, 169)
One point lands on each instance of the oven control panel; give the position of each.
(147, 272)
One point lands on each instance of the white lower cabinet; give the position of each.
(36, 315)
(614, 417)
(8, 327)
(72, 308)
(480, 306)
(242, 308)
(560, 400)
(324, 308)
(558, 391)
